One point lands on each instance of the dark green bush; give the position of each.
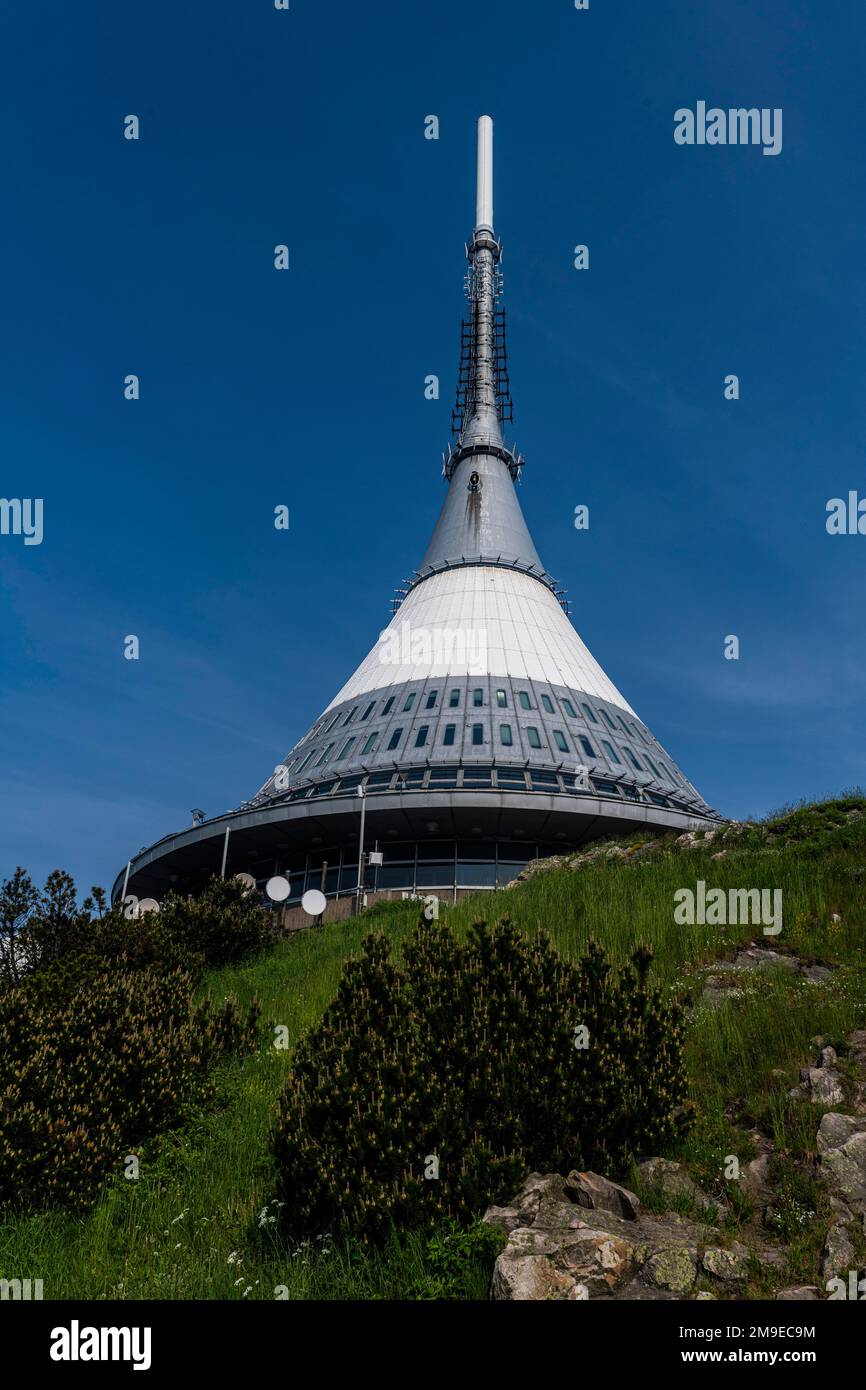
(221, 925)
(92, 1062)
(101, 1043)
(466, 1052)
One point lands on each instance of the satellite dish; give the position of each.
(277, 889)
(314, 902)
(148, 905)
(248, 882)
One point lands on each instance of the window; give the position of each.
(560, 739)
(350, 716)
(505, 735)
(623, 724)
(653, 766)
(454, 699)
(632, 759)
(431, 699)
(670, 775)
(332, 723)
(569, 709)
(395, 739)
(323, 755)
(448, 736)
(421, 736)
(304, 763)
(547, 703)
(478, 697)
(346, 748)
(410, 700)
(370, 745)
(608, 748)
(443, 777)
(388, 705)
(606, 716)
(589, 714)
(587, 746)
(477, 733)
(525, 702)
(502, 699)
(533, 736)
(368, 711)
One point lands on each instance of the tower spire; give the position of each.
(481, 423)
(484, 180)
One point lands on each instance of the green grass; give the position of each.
(189, 1227)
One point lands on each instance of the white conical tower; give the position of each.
(479, 729)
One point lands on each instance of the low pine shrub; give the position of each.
(430, 1088)
(222, 925)
(93, 1061)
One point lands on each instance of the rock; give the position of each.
(600, 1194)
(821, 1085)
(675, 1270)
(845, 1167)
(838, 1253)
(570, 1251)
(801, 1293)
(818, 973)
(835, 1129)
(544, 1264)
(672, 1180)
(753, 1178)
(506, 1218)
(635, 1292)
(730, 1266)
(534, 1278)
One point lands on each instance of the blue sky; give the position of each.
(305, 388)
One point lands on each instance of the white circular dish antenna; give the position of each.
(314, 902)
(277, 889)
(248, 882)
(148, 905)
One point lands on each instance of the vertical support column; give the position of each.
(362, 794)
(225, 851)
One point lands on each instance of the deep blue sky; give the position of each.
(306, 388)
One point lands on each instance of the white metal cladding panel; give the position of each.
(509, 619)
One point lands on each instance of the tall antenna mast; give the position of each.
(483, 395)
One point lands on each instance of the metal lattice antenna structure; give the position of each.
(479, 730)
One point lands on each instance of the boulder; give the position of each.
(728, 1266)
(672, 1181)
(674, 1270)
(536, 1279)
(838, 1254)
(845, 1167)
(597, 1193)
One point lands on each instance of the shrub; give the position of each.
(92, 1062)
(465, 1058)
(222, 925)
(458, 1262)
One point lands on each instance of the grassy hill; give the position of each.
(195, 1225)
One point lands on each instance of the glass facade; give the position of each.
(410, 866)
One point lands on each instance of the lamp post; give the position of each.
(360, 891)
